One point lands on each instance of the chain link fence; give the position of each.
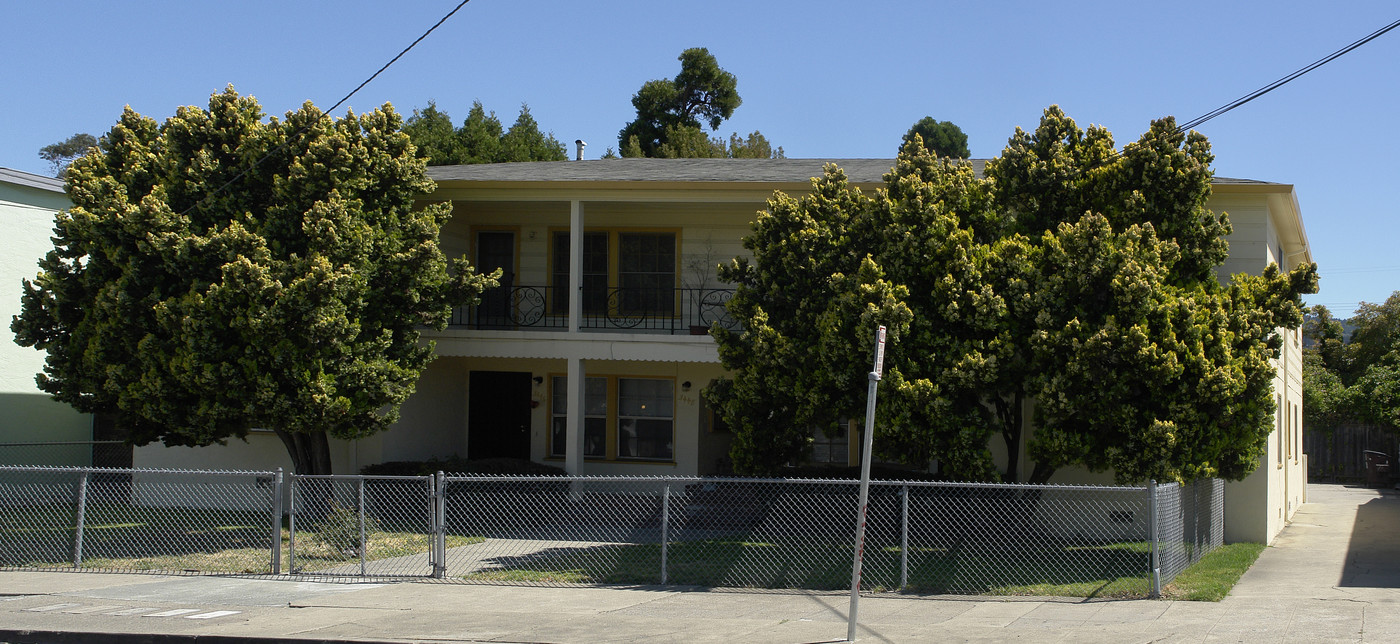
(1191, 523)
(927, 537)
(139, 520)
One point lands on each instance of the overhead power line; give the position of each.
(1196, 122)
(302, 130)
(395, 59)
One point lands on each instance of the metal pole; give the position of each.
(361, 514)
(80, 520)
(1152, 530)
(292, 524)
(904, 538)
(440, 530)
(863, 503)
(665, 527)
(277, 523)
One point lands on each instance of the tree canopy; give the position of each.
(481, 137)
(671, 115)
(60, 154)
(1066, 300)
(940, 138)
(221, 271)
(1356, 378)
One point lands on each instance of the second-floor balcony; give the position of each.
(629, 310)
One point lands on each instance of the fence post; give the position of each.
(440, 526)
(80, 519)
(292, 523)
(360, 489)
(904, 537)
(665, 527)
(277, 523)
(1156, 541)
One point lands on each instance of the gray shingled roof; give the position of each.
(685, 170)
(691, 170)
(31, 180)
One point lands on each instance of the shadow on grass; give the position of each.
(1114, 570)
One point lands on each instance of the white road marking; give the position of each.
(14, 598)
(212, 615)
(131, 611)
(173, 613)
(45, 609)
(90, 609)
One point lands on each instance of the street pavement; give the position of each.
(1333, 575)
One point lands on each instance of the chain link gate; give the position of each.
(365, 526)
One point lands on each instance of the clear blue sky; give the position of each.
(821, 79)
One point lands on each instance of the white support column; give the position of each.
(573, 424)
(575, 266)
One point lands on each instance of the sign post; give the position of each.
(864, 501)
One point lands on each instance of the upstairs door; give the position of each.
(496, 249)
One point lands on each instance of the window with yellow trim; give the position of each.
(624, 418)
(645, 418)
(595, 417)
(640, 265)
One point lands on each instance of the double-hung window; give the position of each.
(645, 418)
(595, 417)
(624, 418)
(630, 273)
(646, 272)
(833, 449)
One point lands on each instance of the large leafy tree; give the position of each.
(941, 138)
(672, 115)
(221, 271)
(1073, 275)
(481, 138)
(1356, 378)
(62, 153)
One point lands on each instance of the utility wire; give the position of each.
(302, 130)
(463, 3)
(1196, 122)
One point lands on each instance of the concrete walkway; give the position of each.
(1332, 576)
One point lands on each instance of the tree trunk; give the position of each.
(310, 451)
(1009, 413)
(1041, 474)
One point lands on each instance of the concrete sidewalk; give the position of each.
(1332, 576)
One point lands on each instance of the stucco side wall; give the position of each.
(30, 415)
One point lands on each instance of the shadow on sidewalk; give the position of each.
(1373, 555)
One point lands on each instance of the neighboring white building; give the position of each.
(28, 203)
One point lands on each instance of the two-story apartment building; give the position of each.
(592, 352)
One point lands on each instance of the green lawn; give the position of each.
(1215, 574)
(1113, 570)
(184, 540)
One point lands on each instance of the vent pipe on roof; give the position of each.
(581, 145)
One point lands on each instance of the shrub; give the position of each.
(458, 465)
(339, 530)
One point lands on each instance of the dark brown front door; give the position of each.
(496, 249)
(498, 420)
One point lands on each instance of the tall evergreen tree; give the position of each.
(480, 138)
(1072, 275)
(221, 271)
(941, 138)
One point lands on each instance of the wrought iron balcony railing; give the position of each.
(647, 310)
